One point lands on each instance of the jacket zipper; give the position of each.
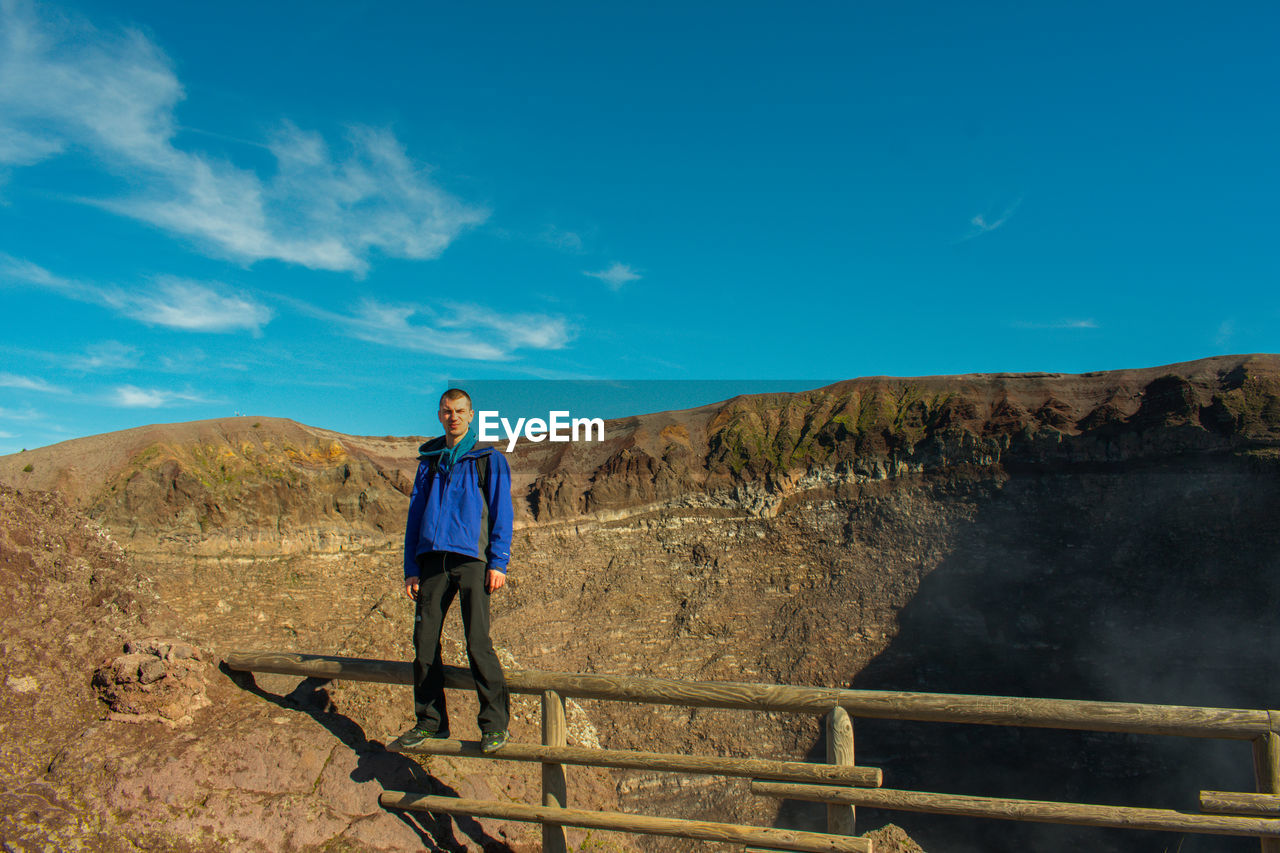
(443, 489)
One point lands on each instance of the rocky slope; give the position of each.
(119, 734)
(1046, 534)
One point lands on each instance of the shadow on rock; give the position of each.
(392, 771)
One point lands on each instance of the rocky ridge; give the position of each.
(271, 486)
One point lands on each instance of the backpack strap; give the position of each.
(482, 473)
(482, 478)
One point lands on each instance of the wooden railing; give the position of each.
(839, 783)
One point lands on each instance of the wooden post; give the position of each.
(1266, 772)
(840, 817)
(554, 788)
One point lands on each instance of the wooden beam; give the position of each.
(329, 666)
(878, 704)
(776, 839)
(840, 817)
(555, 790)
(796, 771)
(1040, 811)
(1236, 802)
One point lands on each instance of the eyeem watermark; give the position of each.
(557, 427)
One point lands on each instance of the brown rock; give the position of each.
(892, 838)
(139, 686)
(151, 670)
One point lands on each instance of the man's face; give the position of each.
(455, 416)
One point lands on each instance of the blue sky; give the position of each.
(324, 210)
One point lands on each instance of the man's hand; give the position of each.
(411, 587)
(493, 580)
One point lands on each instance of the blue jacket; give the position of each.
(446, 508)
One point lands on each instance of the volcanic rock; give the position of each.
(154, 681)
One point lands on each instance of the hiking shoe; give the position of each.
(493, 741)
(416, 735)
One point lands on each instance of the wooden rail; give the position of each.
(1226, 813)
(774, 839)
(1127, 717)
(1039, 811)
(783, 771)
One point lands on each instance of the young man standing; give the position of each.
(457, 540)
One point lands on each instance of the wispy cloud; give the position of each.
(985, 223)
(65, 85)
(394, 325)
(133, 397)
(188, 360)
(19, 270)
(458, 331)
(176, 303)
(616, 275)
(1059, 324)
(183, 304)
(564, 240)
(1226, 330)
(109, 355)
(27, 414)
(27, 383)
(516, 331)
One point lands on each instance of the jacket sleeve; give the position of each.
(413, 524)
(498, 552)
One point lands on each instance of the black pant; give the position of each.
(441, 576)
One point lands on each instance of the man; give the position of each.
(457, 540)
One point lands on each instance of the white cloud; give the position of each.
(1226, 330)
(983, 224)
(616, 275)
(392, 325)
(456, 331)
(16, 269)
(133, 397)
(183, 304)
(565, 241)
(1060, 324)
(177, 303)
(64, 83)
(19, 148)
(109, 355)
(188, 360)
(27, 414)
(527, 331)
(68, 86)
(26, 383)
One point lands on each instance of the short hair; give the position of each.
(455, 394)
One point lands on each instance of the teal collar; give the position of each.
(450, 455)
